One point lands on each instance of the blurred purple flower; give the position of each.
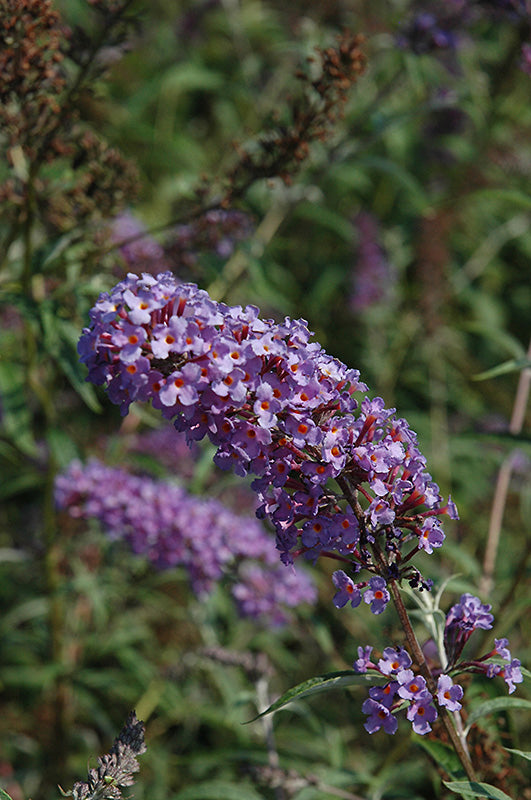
(144, 253)
(162, 522)
(427, 32)
(373, 278)
(525, 63)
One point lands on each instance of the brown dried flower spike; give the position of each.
(280, 151)
(115, 770)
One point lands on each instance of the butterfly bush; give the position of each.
(170, 527)
(405, 689)
(336, 473)
(278, 407)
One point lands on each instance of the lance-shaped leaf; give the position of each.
(523, 753)
(321, 683)
(498, 704)
(474, 789)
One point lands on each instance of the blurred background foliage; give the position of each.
(403, 236)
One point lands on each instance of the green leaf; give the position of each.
(414, 190)
(442, 754)
(64, 352)
(474, 789)
(327, 218)
(522, 753)
(498, 704)
(218, 790)
(513, 365)
(4, 795)
(499, 195)
(321, 683)
(16, 416)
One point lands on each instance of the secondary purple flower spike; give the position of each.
(461, 621)
(171, 528)
(278, 407)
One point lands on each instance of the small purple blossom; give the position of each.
(347, 592)
(394, 660)
(502, 649)
(448, 693)
(512, 674)
(376, 595)
(411, 686)
(363, 662)
(421, 713)
(379, 717)
(431, 535)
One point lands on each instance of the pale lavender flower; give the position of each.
(448, 693)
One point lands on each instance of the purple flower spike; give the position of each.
(448, 693)
(376, 595)
(347, 592)
(171, 528)
(276, 405)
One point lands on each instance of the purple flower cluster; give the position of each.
(276, 406)
(405, 689)
(162, 522)
(461, 621)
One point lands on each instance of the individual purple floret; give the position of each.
(379, 717)
(347, 591)
(363, 662)
(162, 522)
(278, 407)
(421, 713)
(411, 686)
(394, 660)
(448, 693)
(376, 595)
(512, 674)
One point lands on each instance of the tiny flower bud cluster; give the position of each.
(405, 689)
(276, 406)
(172, 528)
